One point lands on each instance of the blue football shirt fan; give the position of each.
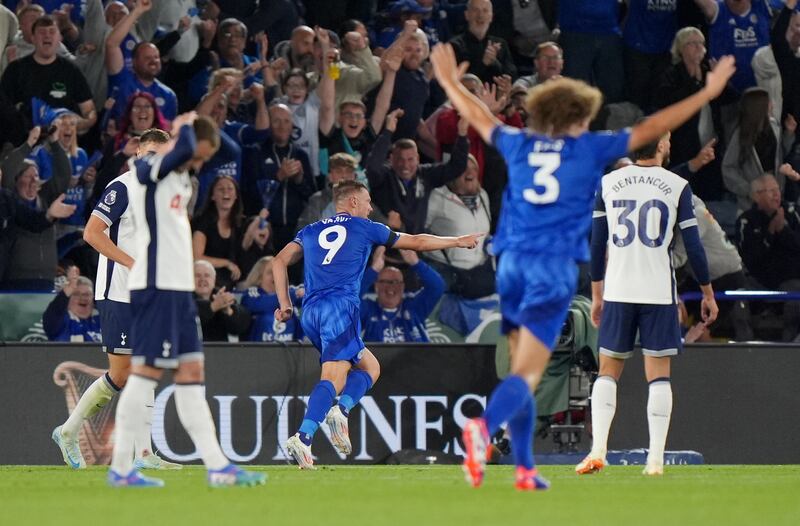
(554, 169)
(336, 250)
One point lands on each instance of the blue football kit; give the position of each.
(336, 250)
(545, 222)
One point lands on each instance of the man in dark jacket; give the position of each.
(401, 188)
(279, 172)
(769, 242)
(15, 214)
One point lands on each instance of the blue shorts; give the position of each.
(334, 327)
(659, 331)
(166, 328)
(535, 292)
(115, 324)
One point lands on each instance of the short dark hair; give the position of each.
(294, 72)
(141, 45)
(345, 189)
(154, 135)
(404, 144)
(43, 21)
(649, 150)
(206, 129)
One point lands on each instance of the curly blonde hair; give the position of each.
(556, 105)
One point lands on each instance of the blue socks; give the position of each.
(521, 427)
(358, 383)
(505, 402)
(319, 403)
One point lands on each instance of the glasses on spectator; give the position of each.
(141, 107)
(351, 115)
(390, 282)
(83, 295)
(232, 35)
(770, 190)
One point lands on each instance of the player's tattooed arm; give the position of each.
(291, 254)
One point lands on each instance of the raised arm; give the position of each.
(673, 116)
(114, 58)
(448, 72)
(291, 254)
(390, 62)
(326, 89)
(709, 8)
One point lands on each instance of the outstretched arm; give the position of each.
(428, 242)
(290, 255)
(448, 72)
(673, 116)
(114, 59)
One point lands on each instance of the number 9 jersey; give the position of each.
(335, 252)
(636, 210)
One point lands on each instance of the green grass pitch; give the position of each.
(408, 495)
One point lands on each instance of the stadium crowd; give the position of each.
(314, 92)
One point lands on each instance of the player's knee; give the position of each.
(119, 374)
(374, 371)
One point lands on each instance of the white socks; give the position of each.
(142, 438)
(604, 405)
(659, 410)
(94, 399)
(195, 416)
(132, 416)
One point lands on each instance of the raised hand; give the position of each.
(378, 259)
(73, 273)
(704, 156)
(718, 77)
(490, 53)
(392, 118)
(60, 210)
(445, 66)
(410, 257)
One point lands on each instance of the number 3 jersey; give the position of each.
(336, 250)
(548, 201)
(636, 211)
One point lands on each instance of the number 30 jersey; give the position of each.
(335, 252)
(641, 206)
(548, 201)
